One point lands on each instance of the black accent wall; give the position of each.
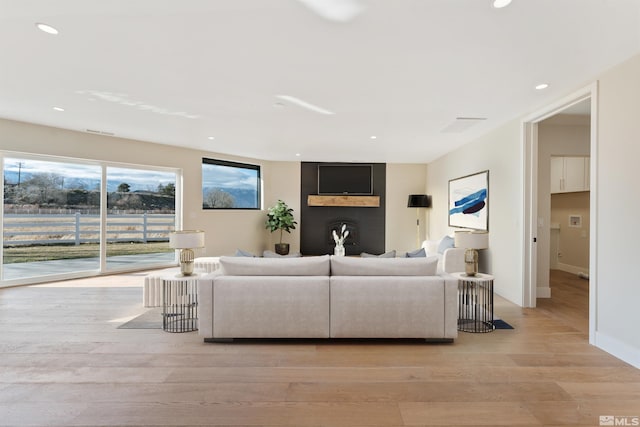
(366, 225)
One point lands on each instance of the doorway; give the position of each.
(563, 214)
(538, 230)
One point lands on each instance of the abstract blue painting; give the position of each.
(469, 201)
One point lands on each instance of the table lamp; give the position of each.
(471, 241)
(186, 241)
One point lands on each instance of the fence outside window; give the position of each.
(77, 228)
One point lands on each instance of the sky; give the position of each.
(138, 179)
(217, 176)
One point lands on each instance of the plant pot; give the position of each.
(282, 248)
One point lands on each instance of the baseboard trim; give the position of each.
(571, 268)
(619, 349)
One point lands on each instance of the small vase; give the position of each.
(338, 250)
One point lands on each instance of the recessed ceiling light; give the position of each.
(499, 4)
(46, 28)
(211, 138)
(542, 86)
(58, 108)
(373, 137)
(297, 154)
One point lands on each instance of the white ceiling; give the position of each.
(178, 71)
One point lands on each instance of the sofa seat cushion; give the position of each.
(300, 266)
(271, 307)
(352, 266)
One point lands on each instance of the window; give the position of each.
(230, 185)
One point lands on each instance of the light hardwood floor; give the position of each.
(63, 362)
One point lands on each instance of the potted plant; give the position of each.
(280, 217)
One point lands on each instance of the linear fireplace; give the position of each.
(366, 225)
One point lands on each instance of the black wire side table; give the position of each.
(475, 302)
(180, 303)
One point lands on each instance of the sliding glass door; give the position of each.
(60, 216)
(141, 207)
(51, 218)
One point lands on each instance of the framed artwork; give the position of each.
(469, 201)
(575, 221)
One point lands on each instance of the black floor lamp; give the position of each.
(418, 201)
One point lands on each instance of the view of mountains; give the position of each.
(73, 183)
(242, 197)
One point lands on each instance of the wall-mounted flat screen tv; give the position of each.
(354, 179)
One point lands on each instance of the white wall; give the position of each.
(284, 184)
(618, 204)
(499, 152)
(559, 135)
(573, 241)
(401, 230)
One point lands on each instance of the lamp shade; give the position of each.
(419, 201)
(186, 239)
(471, 240)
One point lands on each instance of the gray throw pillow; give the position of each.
(240, 252)
(418, 253)
(446, 243)
(390, 254)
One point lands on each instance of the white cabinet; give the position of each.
(557, 174)
(569, 174)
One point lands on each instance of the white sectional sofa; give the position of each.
(327, 297)
(450, 259)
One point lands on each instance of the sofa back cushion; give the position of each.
(301, 266)
(352, 266)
